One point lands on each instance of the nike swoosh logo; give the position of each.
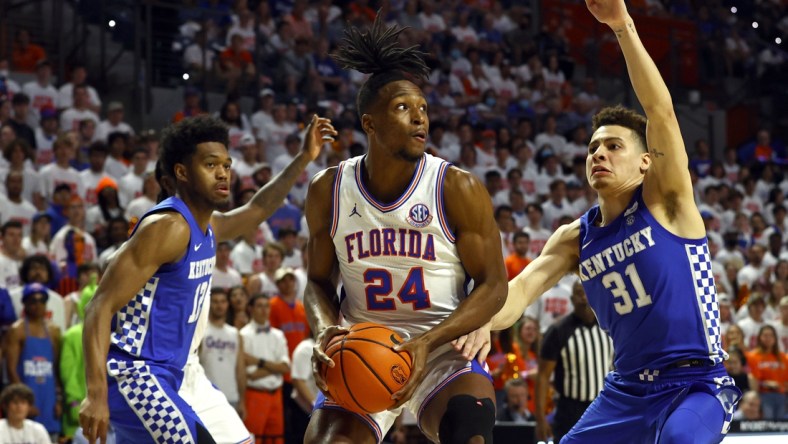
(586, 244)
(197, 247)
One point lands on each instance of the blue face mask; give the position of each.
(455, 54)
(524, 103)
(490, 101)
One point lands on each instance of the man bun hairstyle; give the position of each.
(618, 115)
(179, 142)
(377, 52)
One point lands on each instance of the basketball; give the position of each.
(367, 370)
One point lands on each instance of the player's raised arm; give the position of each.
(266, 200)
(667, 182)
(320, 298)
(560, 256)
(128, 270)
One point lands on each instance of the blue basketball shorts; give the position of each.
(635, 409)
(145, 406)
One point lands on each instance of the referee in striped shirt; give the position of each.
(580, 354)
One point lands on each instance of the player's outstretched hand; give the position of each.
(419, 350)
(318, 133)
(475, 343)
(319, 356)
(543, 430)
(94, 419)
(609, 12)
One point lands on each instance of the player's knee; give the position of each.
(685, 427)
(467, 417)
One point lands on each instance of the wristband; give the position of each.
(261, 363)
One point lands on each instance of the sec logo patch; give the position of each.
(419, 216)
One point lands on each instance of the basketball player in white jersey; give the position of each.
(406, 231)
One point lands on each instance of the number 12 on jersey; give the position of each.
(199, 297)
(379, 288)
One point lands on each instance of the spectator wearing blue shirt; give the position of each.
(60, 198)
(331, 80)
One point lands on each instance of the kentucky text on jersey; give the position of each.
(390, 242)
(199, 269)
(610, 256)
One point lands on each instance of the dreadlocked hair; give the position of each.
(377, 52)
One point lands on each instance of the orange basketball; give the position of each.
(367, 370)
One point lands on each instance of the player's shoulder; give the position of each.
(165, 223)
(323, 182)
(327, 175)
(459, 179)
(568, 232)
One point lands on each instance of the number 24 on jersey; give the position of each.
(380, 286)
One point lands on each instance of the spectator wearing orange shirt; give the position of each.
(302, 28)
(287, 312)
(517, 261)
(505, 361)
(770, 368)
(288, 315)
(236, 64)
(25, 55)
(191, 105)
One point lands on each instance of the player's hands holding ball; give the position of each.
(318, 133)
(319, 356)
(419, 349)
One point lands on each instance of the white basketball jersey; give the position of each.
(218, 357)
(398, 261)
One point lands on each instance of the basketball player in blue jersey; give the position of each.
(403, 228)
(139, 327)
(644, 262)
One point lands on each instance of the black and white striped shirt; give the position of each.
(583, 355)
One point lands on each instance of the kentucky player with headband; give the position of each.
(406, 231)
(138, 329)
(644, 262)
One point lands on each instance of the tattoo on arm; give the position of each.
(628, 27)
(657, 154)
(270, 197)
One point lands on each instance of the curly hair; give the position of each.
(14, 392)
(179, 142)
(618, 115)
(377, 52)
(29, 261)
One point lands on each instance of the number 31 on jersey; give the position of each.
(614, 282)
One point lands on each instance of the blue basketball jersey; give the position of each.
(652, 291)
(157, 325)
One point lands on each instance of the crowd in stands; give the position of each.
(506, 103)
